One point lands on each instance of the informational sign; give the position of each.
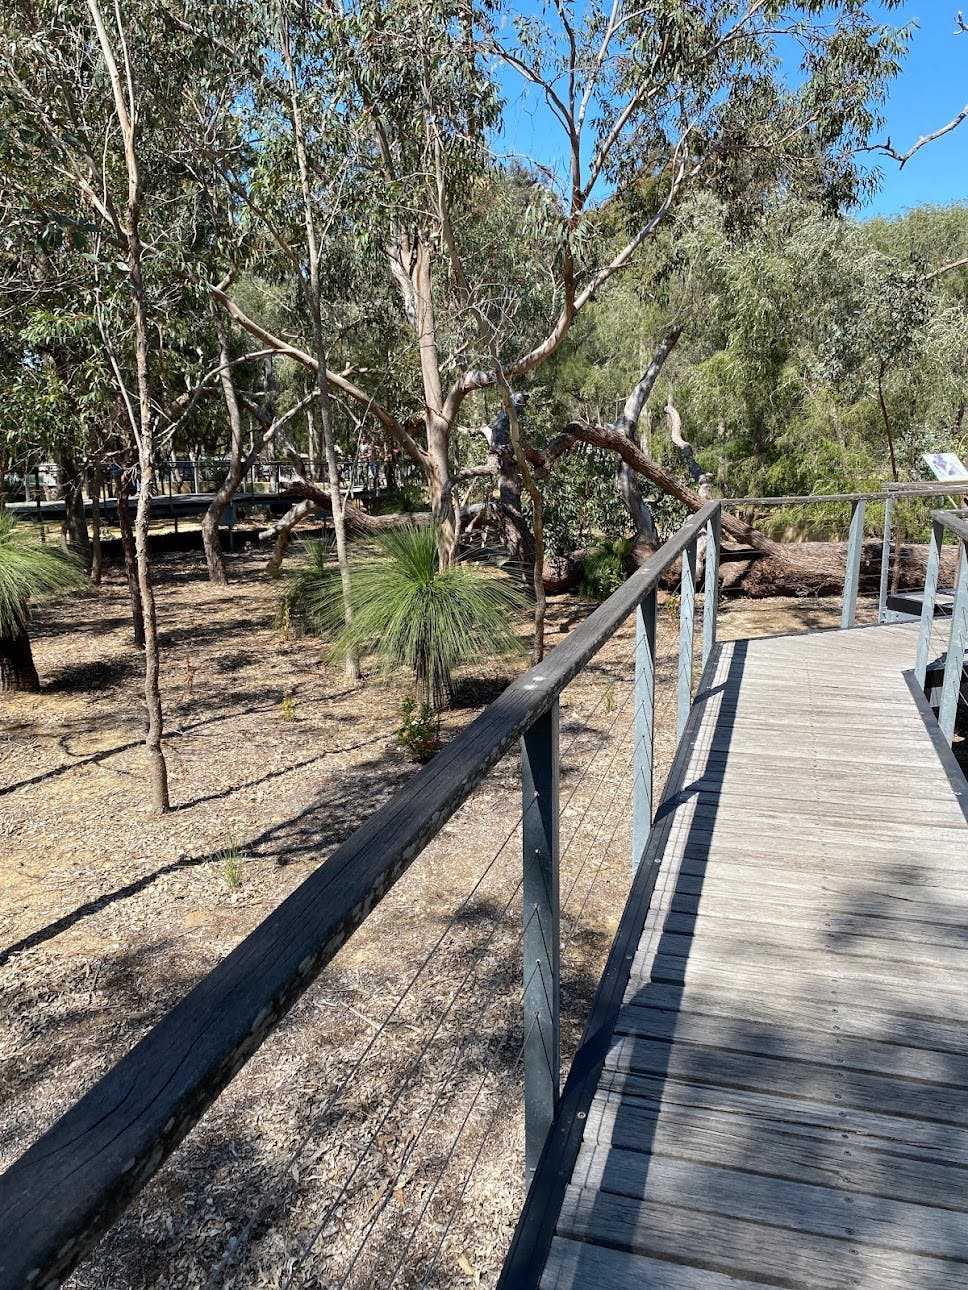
(945, 466)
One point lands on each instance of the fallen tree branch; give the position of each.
(613, 441)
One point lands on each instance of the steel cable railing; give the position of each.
(951, 700)
(609, 739)
(240, 1238)
(66, 1190)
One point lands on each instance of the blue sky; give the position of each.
(931, 90)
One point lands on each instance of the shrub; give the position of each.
(605, 569)
(409, 613)
(29, 567)
(420, 732)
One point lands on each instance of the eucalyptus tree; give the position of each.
(832, 353)
(89, 92)
(649, 100)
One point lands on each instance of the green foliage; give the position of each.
(605, 569)
(409, 613)
(419, 733)
(30, 568)
(288, 706)
(232, 864)
(580, 502)
(298, 608)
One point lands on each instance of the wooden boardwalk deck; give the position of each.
(785, 1097)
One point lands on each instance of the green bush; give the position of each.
(419, 734)
(409, 613)
(605, 569)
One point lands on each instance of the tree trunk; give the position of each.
(97, 558)
(647, 537)
(627, 487)
(17, 670)
(214, 555)
(518, 538)
(71, 487)
(817, 569)
(313, 291)
(315, 446)
(130, 559)
(142, 421)
(352, 666)
(512, 408)
(157, 769)
(888, 431)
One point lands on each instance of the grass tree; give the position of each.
(29, 568)
(411, 613)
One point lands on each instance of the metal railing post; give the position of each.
(710, 603)
(541, 913)
(955, 662)
(927, 604)
(855, 545)
(643, 755)
(885, 560)
(687, 616)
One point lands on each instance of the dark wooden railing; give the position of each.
(60, 1197)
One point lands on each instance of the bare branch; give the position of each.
(336, 379)
(638, 398)
(902, 158)
(945, 268)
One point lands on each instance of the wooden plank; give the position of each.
(759, 760)
(866, 1090)
(774, 1148)
(858, 1017)
(574, 1265)
(918, 1139)
(892, 910)
(882, 860)
(834, 826)
(792, 1043)
(834, 985)
(820, 927)
(873, 958)
(838, 790)
(756, 1251)
(816, 849)
(800, 1207)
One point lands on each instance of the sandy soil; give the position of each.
(108, 916)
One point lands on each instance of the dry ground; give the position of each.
(387, 1106)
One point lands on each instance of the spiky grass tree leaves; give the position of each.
(409, 614)
(29, 568)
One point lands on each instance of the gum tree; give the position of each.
(649, 102)
(89, 91)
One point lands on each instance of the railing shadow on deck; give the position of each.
(773, 1187)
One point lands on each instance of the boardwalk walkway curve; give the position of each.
(782, 1095)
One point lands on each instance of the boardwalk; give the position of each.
(785, 1095)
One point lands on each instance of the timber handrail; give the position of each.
(68, 1188)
